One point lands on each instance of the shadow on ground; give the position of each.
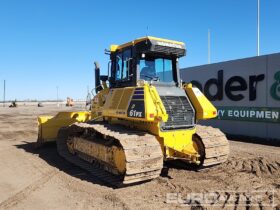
(49, 154)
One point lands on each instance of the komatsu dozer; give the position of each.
(141, 115)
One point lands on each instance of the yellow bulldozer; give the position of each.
(142, 115)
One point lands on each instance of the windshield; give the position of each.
(157, 69)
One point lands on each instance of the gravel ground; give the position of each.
(40, 179)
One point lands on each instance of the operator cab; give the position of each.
(148, 59)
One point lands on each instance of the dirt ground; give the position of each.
(40, 179)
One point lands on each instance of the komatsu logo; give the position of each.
(167, 44)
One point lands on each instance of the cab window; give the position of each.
(159, 69)
(122, 65)
(119, 64)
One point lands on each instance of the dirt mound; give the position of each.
(115, 201)
(260, 166)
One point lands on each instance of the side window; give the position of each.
(126, 60)
(122, 65)
(119, 65)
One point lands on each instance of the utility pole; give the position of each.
(57, 96)
(209, 46)
(4, 96)
(258, 28)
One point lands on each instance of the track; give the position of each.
(216, 146)
(143, 154)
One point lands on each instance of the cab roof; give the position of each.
(114, 48)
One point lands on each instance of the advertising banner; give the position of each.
(246, 93)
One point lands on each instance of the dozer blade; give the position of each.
(48, 126)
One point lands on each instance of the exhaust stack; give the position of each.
(98, 86)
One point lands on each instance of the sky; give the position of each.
(50, 45)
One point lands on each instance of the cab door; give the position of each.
(122, 69)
